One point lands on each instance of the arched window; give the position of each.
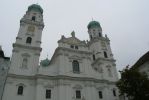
(114, 92)
(91, 36)
(99, 34)
(94, 57)
(24, 63)
(75, 65)
(29, 40)
(20, 90)
(33, 18)
(105, 54)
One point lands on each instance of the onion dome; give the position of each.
(45, 62)
(93, 24)
(35, 7)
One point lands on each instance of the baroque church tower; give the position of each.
(26, 49)
(78, 70)
(25, 54)
(102, 57)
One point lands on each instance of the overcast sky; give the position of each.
(126, 22)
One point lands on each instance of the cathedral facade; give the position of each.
(78, 70)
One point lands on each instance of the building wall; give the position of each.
(61, 89)
(4, 66)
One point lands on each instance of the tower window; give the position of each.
(91, 36)
(94, 57)
(75, 65)
(48, 94)
(99, 34)
(105, 54)
(76, 47)
(20, 90)
(100, 94)
(78, 94)
(114, 92)
(33, 18)
(29, 40)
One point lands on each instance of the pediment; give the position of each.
(72, 41)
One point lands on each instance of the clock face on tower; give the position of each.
(31, 29)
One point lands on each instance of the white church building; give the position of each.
(78, 70)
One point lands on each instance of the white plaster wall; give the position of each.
(16, 62)
(11, 87)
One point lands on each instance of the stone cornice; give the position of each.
(60, 77)
(103, 59)
(98, 39)
(27, 47)
(60, 51)
(33, 23)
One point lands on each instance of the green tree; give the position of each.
(133, 84)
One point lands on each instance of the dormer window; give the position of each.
(33, 18)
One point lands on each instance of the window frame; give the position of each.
(100, 94)
(114, 93)
(105, 54)
(75, 66)
(78, 94)
(28, 40)
(48, 94)
(20, 90)
(94, 57)
(33, 18)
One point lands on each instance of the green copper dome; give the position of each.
(35, 7)
(45, 62)
(93, 24)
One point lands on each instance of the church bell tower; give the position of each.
(102, 57)
(26, 49)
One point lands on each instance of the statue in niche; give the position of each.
(109, 71)
(24, 63)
